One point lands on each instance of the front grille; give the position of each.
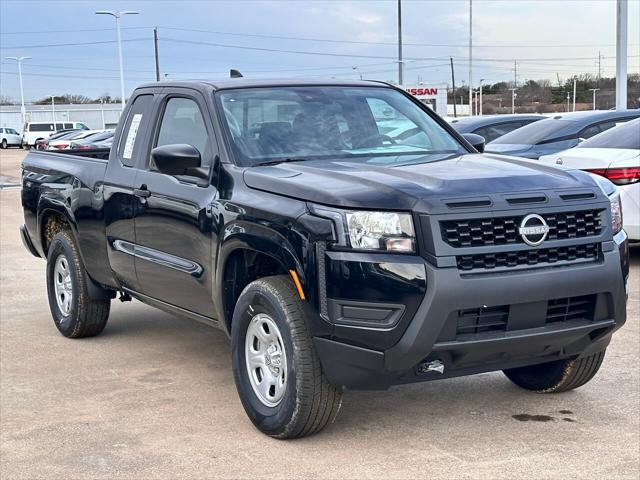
(490, 261)
(479, 232)
(572, 308)
(479, 320)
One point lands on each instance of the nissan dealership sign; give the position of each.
(423, 92)
(433, 95)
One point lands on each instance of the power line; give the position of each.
(79, 44)
(323, 40)
(38, 32)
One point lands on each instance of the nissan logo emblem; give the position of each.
(533, 229)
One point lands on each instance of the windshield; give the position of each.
(304, 123)
(626, 135)
(537, 132)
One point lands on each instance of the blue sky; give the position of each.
(546, 38)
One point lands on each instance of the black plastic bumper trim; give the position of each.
(365, 314)
(26, 241)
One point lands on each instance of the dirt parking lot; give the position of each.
(153, 397)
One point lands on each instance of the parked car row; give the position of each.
(615, 155)
(76, 139)
(605, 143)
(35, 131)
(558, 133)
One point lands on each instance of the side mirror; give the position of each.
(178, 159)
(477, 141)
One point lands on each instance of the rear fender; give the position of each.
(48, 204)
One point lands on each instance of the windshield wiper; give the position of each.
(278, 161)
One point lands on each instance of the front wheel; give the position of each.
(556, 377)
(74, 313)
(276, 368)
(3, 145)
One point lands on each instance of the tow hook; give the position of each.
(432, 366)
(124, 297)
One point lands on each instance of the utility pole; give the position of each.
(513, 100)
(400, 62)
(599, 66)
(621, 54)
(575, 81)
(23, 110)
(594, 90)
(470, 56)
(481, 80)
(515, 74)
(155, 52)
(117, 16)
(453, 83)
(567, 101)
(53, 112)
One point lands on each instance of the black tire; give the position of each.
(86, 317)
(309, 402)
(3, 145)
(556, 377)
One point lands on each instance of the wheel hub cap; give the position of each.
(266, 360)
(63, 284)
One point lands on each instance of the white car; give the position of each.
(64, 143)
(34, 131)
(9, 138)
(614, 154)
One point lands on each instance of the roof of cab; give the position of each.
(244, 82)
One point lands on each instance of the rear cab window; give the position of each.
(132, 134)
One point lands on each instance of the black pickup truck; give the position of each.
(342, 235)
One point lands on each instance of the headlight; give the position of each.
(381, 231)
(616, 212)
(366, 230)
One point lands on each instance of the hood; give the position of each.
(592, 158)
(366, 183)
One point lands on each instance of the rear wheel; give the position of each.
(276, 368)
(556, 377)
(74, 313)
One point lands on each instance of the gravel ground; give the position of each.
(153, 397)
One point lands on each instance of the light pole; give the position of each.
(400, 62)
(513, 100)
(481, 80)
(102, 112)
(23, 111)
(117, 16)
(567, 101)
(53, 111)
(575, 81)
(594, 90)
(471, 52)
(622, 11)
(358, 71)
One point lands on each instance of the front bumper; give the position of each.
(360, 356)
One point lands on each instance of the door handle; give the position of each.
(142, 192)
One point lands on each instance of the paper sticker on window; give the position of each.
(131, 137)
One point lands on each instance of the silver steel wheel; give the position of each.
(63, 284)
(266, 360)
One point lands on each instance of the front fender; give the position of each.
(241, 235)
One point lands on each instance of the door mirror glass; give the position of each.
(476, 141)
(178, 159)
